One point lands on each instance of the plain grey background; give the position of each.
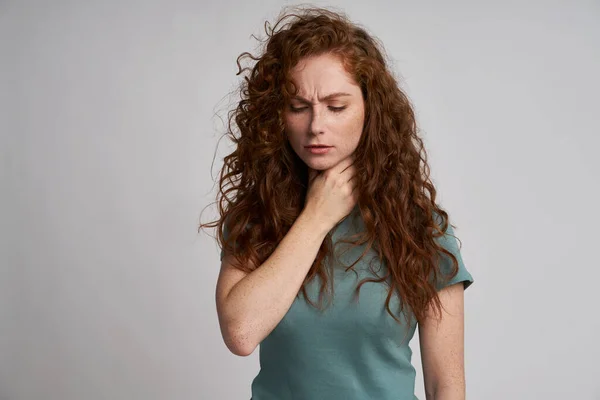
(108, 119)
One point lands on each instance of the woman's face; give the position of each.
(328, 110)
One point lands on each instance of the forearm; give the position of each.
(258, 302)
(447, 393)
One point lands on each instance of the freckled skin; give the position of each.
(318, 122)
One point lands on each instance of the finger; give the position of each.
(354, 183)
(311, 174)
(349, 173)
(346, 163)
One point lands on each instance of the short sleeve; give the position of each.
(450, 243)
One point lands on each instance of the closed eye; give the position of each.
(333, 109)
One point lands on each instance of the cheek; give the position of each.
(355, 123)
(293, 129)
(291, 134)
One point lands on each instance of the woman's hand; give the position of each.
(332, 193)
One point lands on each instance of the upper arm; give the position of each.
(229, 276)
(442, 343)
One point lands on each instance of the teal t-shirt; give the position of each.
(354, 349)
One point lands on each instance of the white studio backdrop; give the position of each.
(108, 123)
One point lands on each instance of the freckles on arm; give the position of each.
(442, 347)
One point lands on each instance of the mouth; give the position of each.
(320, 150)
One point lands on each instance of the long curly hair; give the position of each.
(268, 181)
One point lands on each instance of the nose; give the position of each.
(317, 123)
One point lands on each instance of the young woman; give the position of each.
(334, 248)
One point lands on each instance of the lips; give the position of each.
(317, 146)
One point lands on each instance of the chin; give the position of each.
(321, 164)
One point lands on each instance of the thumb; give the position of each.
(311, 174)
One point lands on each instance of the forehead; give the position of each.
(321, 73)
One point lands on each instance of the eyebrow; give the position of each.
(328, 97)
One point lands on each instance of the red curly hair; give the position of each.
(268, 181)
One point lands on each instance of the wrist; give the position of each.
(315, 222)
